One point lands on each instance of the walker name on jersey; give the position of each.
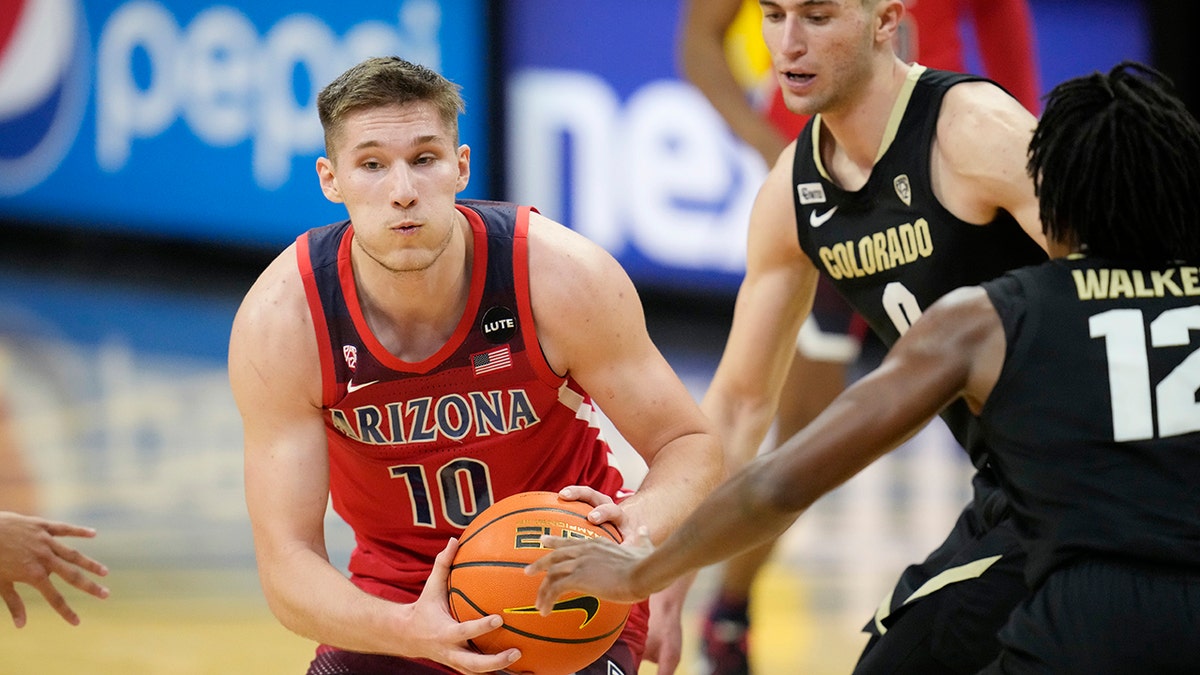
(878, 252)
(451, 417)
(1111, 284)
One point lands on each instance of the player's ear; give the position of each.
(888, 15)
(464, 167)
(328, 180)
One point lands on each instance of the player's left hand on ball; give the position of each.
(438, 636)
(592, 566)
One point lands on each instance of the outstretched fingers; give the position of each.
(32, 552)
(16, 607)
(60, 529)
(57, 601)
(596, 567)
(72, 566)
(559, 565)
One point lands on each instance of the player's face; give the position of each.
(821, 50)
(398, 171)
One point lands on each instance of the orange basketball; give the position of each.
(488, 577)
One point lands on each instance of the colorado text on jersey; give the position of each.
(878, 252)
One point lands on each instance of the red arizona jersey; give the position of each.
(416, 450)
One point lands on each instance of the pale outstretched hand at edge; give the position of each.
(30, 552)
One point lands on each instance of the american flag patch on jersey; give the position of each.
(491, 361)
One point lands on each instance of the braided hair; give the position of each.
(1115, 162)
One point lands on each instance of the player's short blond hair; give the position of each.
(384, 81)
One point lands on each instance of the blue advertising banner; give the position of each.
(195, 119)
(605, 136)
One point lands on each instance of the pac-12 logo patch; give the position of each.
(903, 189)
(499, 324)
(45, 77)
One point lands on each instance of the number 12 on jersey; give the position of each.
(1134, 402)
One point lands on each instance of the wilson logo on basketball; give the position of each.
(530, 536)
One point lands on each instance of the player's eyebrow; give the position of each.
(807, 3)
(420, 140)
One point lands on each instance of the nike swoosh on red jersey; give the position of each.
(351, 387)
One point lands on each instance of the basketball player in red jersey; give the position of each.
(424, 359)
(930, 35)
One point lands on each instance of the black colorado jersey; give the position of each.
(891, 248)
(1097, 401)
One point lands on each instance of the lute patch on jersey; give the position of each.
(499, 324)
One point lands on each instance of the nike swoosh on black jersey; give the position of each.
(817, 221)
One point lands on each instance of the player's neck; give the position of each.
(414, 313)
(852, 133)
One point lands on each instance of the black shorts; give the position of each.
(618, 660)
(1104, 618)
(944, 614)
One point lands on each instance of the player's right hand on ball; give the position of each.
(445, 639)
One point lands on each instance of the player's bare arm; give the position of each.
(979, 157)
(275, 375)
(630, 381)
(774, 299)
(591, 326)
(955, 344)
(701, 56)
(956, 348)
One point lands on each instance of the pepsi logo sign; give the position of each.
(45, 75)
